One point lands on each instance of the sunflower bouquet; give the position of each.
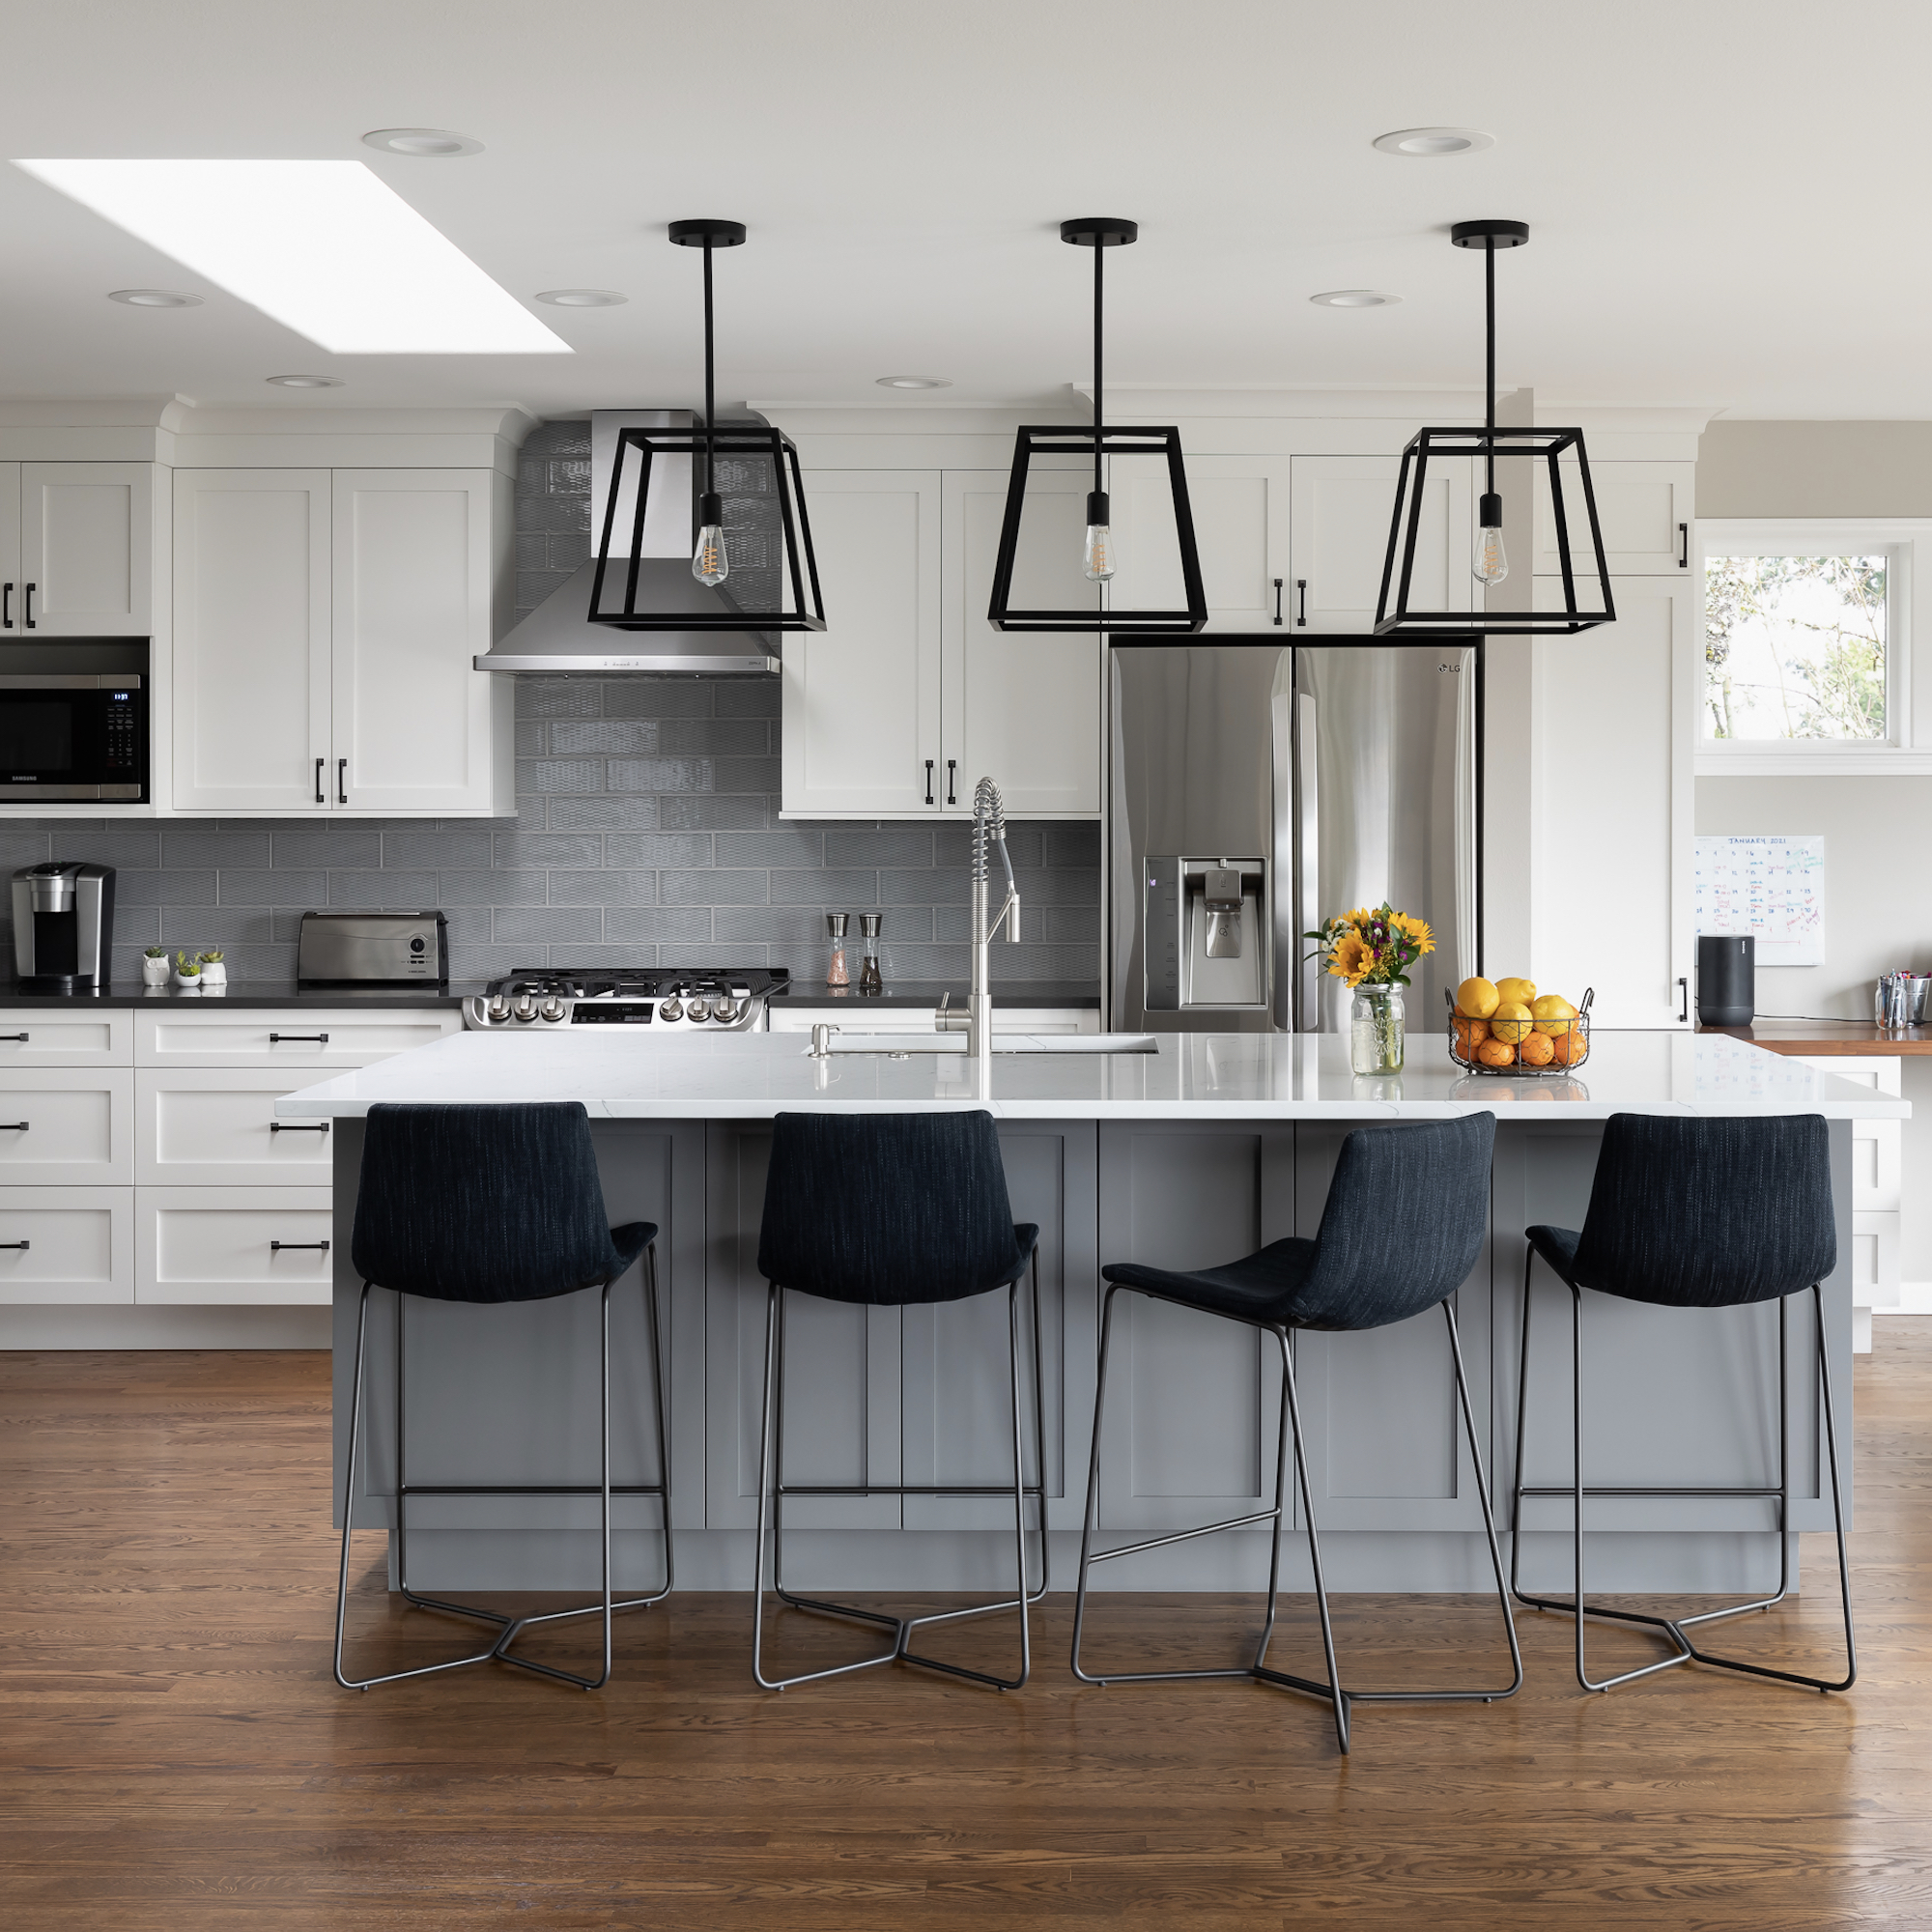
(1374, 949)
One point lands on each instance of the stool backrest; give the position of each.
(1405, 1217)
(482, 1204)
(1708, 1213)
(888, 1208)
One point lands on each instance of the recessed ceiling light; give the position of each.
(422, 144)
(1355, 299)
(327, 248)
(583, 297)
(1432, 143)
(153, 299)
(914, 381)
(305, 381)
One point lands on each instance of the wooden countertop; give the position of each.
(1856, 1037)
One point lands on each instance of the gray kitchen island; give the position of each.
(1185, 1156)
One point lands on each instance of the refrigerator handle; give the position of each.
(1307, 864)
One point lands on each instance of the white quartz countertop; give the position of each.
(1193, 1076)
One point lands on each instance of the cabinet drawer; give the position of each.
(1875, 1260)
(194, 1037)
(216, 1245)
(67, 1128)
(79, 1244)
(215, 1126)
(59, 1036)
(1877, 1165)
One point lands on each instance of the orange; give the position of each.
(1495, 1053)
(1571, 1046)
(1469, 1035)
(1537, 1049)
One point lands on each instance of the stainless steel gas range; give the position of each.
(658, 999)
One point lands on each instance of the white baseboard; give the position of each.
(52, 1326)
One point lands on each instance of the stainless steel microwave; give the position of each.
(73, 734)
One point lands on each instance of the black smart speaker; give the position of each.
(1726, 975)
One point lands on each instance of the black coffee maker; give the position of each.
(63, 925)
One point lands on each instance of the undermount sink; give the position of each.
(907, 1044)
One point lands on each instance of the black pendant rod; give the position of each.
(1489, 364)
(1100, 257)
(710, 382)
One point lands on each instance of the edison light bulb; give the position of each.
(708, 561)
(1099, 554)
(1491, 565)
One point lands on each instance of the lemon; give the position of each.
(1551, 1013)
(1476, 998)
(1515, 992)
(1510, 1021)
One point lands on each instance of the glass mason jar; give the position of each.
(1374, 1030)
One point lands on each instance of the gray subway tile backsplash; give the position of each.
(647, 833)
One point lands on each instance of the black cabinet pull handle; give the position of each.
(1684, 1001)
(1277, 600)
(14, 1035)
(321, 797)
(1301, 603)
(928, 781)
(23, 1246)
(27, 606)
(5, 607)
(293, 1127)
(342, 780)
(275, 1247)
(1683, 546)
(13, 1126)
(951, 786)
(320, 1039)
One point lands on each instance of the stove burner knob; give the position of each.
(525, 1007)
(671, 1009)
(552, 1010)
(700, 1009)
(729, 1009)
(500, 1009)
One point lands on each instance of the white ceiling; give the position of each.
(1727, 197)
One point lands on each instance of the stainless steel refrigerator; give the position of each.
(1256, 788)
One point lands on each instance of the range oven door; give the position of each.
(73, 735)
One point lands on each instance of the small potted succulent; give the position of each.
(155, 966)
(213, 969)
(187, 972)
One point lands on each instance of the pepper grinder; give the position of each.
(868, 931)
(836, 974)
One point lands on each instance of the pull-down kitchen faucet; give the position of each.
(990, 829)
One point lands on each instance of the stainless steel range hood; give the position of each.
(558, 640)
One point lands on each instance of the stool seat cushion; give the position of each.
(486, 1204)
(1260, 1287)
(1558, 1247)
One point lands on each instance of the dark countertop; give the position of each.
(927, 992)
(245, 993)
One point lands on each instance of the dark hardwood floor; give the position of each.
(173, 1754)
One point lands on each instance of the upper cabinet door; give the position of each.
(1240, 511)
(414, 588)
(1022, 708)
(1645, 509)
(251, 705)
(1343, 507)
(861, 697)
(9, 552)
(86, 537)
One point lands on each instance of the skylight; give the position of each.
(327, 248)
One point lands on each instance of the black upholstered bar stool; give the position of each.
(892, 1211)
(1404, 1220)
(1694, 1214)
(487, 1205)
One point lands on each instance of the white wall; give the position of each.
(1877, 831)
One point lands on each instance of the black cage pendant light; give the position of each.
(636, 592)
(1394, 616)
(1098, 232)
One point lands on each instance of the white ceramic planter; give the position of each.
(188, 983)
(214, 972)
(155, 972)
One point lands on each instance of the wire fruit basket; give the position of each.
(1510, 1048)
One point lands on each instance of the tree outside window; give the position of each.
(1794, 647)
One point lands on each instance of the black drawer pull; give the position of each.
(23, 1246)
(5, 607)
(319, 1038)
(952, 780)
(275, 1247)
(320, 798)
(1302, 595)
(27, 606)
(13, 1126)
(293, 1127)
(928, 781)
(342, 780)
(20, 1036)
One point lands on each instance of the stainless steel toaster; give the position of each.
(372, 947)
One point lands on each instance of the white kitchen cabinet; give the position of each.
(215, 1126)
(908, 696)
(325, 1038)
(67, 1244)
(62, 1037)
(67, 1126)
(1645, 509)
(1613, 718)
(233, 1245)
(76, 550)
(1340, 515)
(861, 698)
(1877, 1190)
(1240, 510)
(326, 624)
